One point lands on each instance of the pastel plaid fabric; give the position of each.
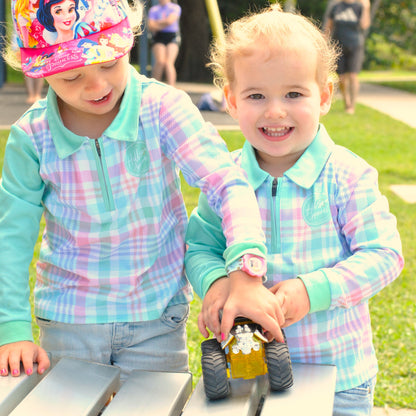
(326, 222)
(113, 246)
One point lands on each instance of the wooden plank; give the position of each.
(72, 387)
(14, 389)
(312, 393)
(148, 393)
(244, 399)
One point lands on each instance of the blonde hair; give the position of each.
(134, 11)
(275, 29)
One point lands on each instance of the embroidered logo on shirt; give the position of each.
(315, 210)
(137, 159)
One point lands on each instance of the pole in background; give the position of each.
(144, 50)
(215, 19)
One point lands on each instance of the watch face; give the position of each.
(255, 266)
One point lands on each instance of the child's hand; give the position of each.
(213, 302)
(293, 299)
(23, 351)
(250, 299)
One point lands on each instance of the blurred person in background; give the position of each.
(347, 22)
(163, 23)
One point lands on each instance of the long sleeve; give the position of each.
(369, 232)
(205, 162)
(204, 259)
(20, 212)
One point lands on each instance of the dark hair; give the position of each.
(44, 14)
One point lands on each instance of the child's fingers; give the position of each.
(43, 361)
(27, 361)
(227, 322)
(4, 366)
(14, 363)
(202, 326)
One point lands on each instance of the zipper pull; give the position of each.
(274, 187)
(97, 146)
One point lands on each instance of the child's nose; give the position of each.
(95, 83)
(275, 110)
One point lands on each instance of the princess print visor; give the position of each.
(58, 35)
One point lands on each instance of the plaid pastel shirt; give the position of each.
(327, 223)
(113, 245)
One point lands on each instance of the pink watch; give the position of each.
(253, 265)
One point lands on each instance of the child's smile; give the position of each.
(277, 100)
(276, 133)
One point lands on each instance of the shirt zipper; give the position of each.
(104, 179)
(275, 217)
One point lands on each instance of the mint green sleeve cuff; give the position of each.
(319, 291)
(238, 250)
(15, 331)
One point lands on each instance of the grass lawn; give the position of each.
(387, 145)
(402, 80)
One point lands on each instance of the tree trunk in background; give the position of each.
(196, 37)
(290, 5)
(375, 4)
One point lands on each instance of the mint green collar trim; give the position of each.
(124, 127)
(309, 166)
(304, 172)
(256, 175)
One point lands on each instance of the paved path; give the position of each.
(378, 411)
(400, 105)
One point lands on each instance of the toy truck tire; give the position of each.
(214, 370)
(279, 366)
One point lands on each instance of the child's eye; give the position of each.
(293, 94)
(110, 64)
(256, 96)
(70, 79)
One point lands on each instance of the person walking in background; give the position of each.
(346, 22)
(332, 242)
(163, 23)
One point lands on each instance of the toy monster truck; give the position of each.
(245, 354)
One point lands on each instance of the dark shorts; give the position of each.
(166, 38)
(351, 59)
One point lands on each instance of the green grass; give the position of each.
(409, 86)
(388, 145)
(387, 75)
(402, 80)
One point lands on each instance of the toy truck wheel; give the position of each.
(279, 365)
(214, 370)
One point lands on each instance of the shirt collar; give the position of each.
(124, 127)
(304, 172)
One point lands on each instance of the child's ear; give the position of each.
(326, 97)
(231, 101)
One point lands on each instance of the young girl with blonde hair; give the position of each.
(331, 241)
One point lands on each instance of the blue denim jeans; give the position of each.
(158, 345)
(357, 401)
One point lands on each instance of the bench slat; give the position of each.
(147, 393)
(312, 392)
(14, 389)
(72, 387)
(243, 401)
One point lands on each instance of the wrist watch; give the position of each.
(253, 265)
